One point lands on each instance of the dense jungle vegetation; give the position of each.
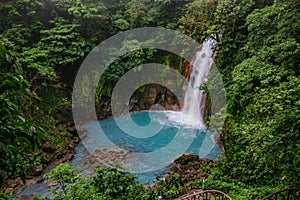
(43, 42)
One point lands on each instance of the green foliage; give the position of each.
(240, 191)
(258, 57)
(141, 13)
(63, 174)
(18, 136)
(71, 184)
(93, 18)
(19, 10)
(230, 17)
(6, 196)
(111, 183)
(198, 21)
(115, 184)
(105, 184)
(52, 35)
(51, 38)
(19, 33)
(248, 77)
(276, 115)
(123, 64)
(261, 137)
(82, 10)
(59, 46)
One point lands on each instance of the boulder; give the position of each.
(48, 147)
(36, 169)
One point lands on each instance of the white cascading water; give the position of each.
(195, 99)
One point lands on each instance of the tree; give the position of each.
(261, 136)
(198, 21)
(18, 135)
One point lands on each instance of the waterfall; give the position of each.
(195, 99)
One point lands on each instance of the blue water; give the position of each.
(154, 138)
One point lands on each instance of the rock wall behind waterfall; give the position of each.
(143, 100)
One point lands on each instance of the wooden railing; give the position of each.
(197, 194)
(287, 194)
(204, 195)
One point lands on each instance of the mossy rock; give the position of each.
(187, 158)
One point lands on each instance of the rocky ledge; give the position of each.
(188, 171)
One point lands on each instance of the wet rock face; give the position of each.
(152, 94)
